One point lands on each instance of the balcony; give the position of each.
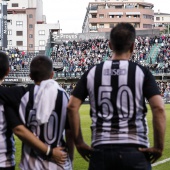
(114, 20)
(93, 29)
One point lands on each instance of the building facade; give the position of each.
(162, 21)
(102, 15)
(27, 27)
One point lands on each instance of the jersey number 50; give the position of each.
(124, 103)
(50, 129)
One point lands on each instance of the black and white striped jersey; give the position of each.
(117, 90)
(50, 133)
(7, 144)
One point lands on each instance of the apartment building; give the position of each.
(102, 15)
(26, 25)
(162, 20)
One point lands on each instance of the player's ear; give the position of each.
(7, 72)
(30, 76)
(110, 46)
(132, 47)
(52, 75)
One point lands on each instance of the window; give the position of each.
(130, 6)
(94, 7)
(93, 27)
(111, 25)
(148, 16)
(94, 15)
(136, 25)
(19, 43)
(30, 26)
(101, 15)
(118, 7)
(101, 25)
(19, 33)
(136, 16)
(14, 4)
(157, 18)
(101, 7)
(42, 32)
(9, 21)
(9, 42)
(147, 26)
(42, 43)
(30, 45)
(19, 23)
(30, 36)
(30, 16)
(162, 18)
(9, 32)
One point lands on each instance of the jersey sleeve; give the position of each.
(12, 95)
(150, 86)
(12, 117)
(80, 91)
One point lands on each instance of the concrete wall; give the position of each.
(97, 35)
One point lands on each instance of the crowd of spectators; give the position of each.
(19, 62)
(77, 57)
(164, 88)
(163, 57)
(68, 87)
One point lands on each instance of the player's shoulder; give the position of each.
(63, 92)
(144, 69)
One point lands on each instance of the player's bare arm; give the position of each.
(74, 119)
(57, 154)
(159, 126)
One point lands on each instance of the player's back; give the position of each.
(118, 88)
(51, 133)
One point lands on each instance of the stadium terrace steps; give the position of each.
(153, 54)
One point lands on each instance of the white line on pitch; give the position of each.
(161, 162)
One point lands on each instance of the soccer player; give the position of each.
(7, 143)
(117, 90)
(7, 148)
(51, 120)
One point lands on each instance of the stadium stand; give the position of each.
(72, 58)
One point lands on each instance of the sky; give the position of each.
(71, 13)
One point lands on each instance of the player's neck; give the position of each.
(124, 56)
(1, 82)
(37, 83)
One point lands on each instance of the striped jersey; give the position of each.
(50, 133)
(7, 144)
(117, 90)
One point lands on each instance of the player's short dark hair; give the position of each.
(41, 68)
(122, 37)
(4, 64)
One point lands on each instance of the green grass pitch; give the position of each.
(81, 164)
